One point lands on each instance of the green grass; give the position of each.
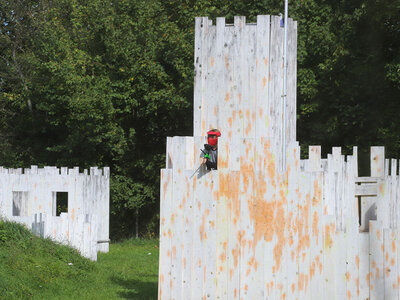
(34, 268)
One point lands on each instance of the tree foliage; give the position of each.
(103, 83)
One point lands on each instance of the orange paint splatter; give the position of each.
(230, 122)
(174, 252)
(357, 261)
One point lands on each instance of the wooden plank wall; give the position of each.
(249, 230)
(238, 84)
(87, 221)
(257, 233)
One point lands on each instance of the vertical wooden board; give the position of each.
(292, 207)
(281, 247)
(177, 233)
(352, 263)
(393, 201)
(376, 279)
(390, 264)
(276, 86)
(397, 245)
(377, 161)
(340, 268)
(291, 81)
(397, 203)
(337, 182)
(222, 225)
(329, 264)
(210, 237)
(236, 105)
(383, 202)
(199, 233)
(247, 234)
(329, 207)
(364, 265)
(262, 217)
(204, 101)
(304, 230)
(272, 81)
(393, 167)
(230, 185)
(228, 114)
(262, 76)
(187, 239)
(343, 204)
(247, 95)
(387, 166)
(351, 173)
(314, 159)
(190, 160)
(212, 84)
(177, 148)
(316, 235)
(219, 62)
(254, 194)
(198, 72)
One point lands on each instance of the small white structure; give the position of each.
(60, 203)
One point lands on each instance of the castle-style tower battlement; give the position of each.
(238, 86)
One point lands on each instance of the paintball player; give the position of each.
(209, 156)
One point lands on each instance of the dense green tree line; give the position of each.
(103, 83)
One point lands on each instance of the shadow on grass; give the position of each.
(138, 290)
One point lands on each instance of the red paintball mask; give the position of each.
(212, 138)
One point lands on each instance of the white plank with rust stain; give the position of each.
(293, 190)
(177, 226)
(316, 233)
(364, 272)
(376, 278)
(377, 161)
(187, 238)
(222, 198)
(198, 73)
(197, 276)
(304, 230)
(262, 76)
(210, 234)
(391, 284)
(291, 82)
(212, 82)
(234, 232)
(330, 263)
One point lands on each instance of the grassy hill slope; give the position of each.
(34, 268)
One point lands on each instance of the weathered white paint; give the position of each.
(86, 224)
(252, 230)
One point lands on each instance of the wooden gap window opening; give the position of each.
(60, 203)
(20, 203)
